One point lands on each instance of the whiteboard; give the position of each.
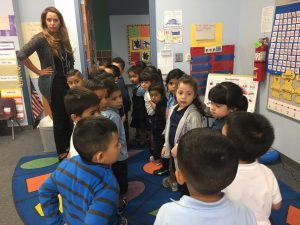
(246, 82)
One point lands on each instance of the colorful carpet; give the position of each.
(145, 193)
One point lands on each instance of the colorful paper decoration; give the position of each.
(138, 43)
(204, 63)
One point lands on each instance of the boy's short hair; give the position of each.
(91, 135)
(104, 77)
(79, 99)
(119, 61)
(251, 132)
(115, 70)
(207, 160)
(111, 87)
(74, 72)
(94, 84)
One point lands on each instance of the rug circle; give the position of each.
(150, 167)
(135, 188)
(39, 163)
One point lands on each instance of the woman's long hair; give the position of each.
(62, 37)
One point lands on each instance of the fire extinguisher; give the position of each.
(261, 48)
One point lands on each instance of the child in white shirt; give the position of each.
(255, 184)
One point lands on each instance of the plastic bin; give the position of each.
(47, 136)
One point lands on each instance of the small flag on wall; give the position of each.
(36, 104)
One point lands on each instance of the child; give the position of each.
(114, 70)
(140, 119)
(207, 163)
(171, 83)
(145, 82)
(75, 79)
(255, 184)
(184, 116)
(103, 64)
(88, 188)
(158, 121)
(80, 103)
(120, 168)
(225, 97)
(119, 62)
(98, 87)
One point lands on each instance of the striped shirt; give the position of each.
(89, 194)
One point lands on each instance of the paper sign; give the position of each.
(165, 61)
(267, 19)
(173, 36)
(173, 18)
(4, 23)
(205, 32)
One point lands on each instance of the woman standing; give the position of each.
(56, 57)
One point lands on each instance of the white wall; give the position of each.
(241, 26)
(119, 39)
(200, 11)
(72, 19)
(287, 131)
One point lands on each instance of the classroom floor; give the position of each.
(28, 142)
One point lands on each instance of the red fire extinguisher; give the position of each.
(261, 48)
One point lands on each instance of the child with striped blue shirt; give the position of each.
(86, 184)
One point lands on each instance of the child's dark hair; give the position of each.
(159, 88)
(91, 135)
(135, 69)
(207, 160)
(187, 79)
(156, 73)
(111, 87)
(115, 70)
(145, 76)
(96, 73)
(141, 64)
(105, 62)
(229, 94)
(251, 132)
(74, 72)
(119, 61)
(174, 74)
(104, 77)
(94, 84)
(79, 99)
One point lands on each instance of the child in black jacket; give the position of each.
(158, 120)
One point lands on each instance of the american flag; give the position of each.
(36, 103)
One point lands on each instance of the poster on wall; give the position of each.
(9, 78)
(284, 94)
(284, 62)
(246, 82)
(8, 26)
(138, 43)
(173, 18)
(173, 35)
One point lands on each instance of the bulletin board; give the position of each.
(204, 63)
(246, 82)
(138, 43)
(284, 62)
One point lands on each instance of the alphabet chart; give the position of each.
(284, 52)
